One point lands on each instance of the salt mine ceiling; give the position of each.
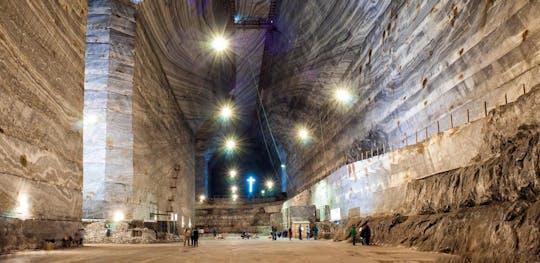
(296, 53)
(181, 31)
(202, 79)
(293, 52)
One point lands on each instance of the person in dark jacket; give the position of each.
(290, 233)
(300, 232)
(195, 235)
(315, 232)
(365, 234)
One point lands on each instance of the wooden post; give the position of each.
(468, 117)
(451, 121)
(438, 127)
(426, 133)
(485, 108)
(524, 90)
(377, 151)
(416, 137)
(384, 148)
(371, 152)
(505, 98)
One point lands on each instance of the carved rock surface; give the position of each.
(233, 218)
(164, 144)
(42, 47)
(410, 63)
(486, 211)
(504, 232)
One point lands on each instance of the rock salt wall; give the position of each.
(164, 150)
(483, 205)
(411, 63)
(42, 47)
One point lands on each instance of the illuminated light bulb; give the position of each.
(263, 192)
(202, 198)
(219, 43)
(303, 134)
(343, 96)
(118, 216)
(234, 197)
(226, 112)
(230, 144)
(233, 173)
(283, 166)
(269, 184)
(234, 189)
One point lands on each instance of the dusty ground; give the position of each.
(229, 251)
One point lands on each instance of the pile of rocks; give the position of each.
(125, 233)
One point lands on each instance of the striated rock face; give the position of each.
(164, 145)
(511, 175)
(236, 218)
(504, 232)
(108, 91)
(41, 102)
(410, 63)
(180, 33)
(486, 211)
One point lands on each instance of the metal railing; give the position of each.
(445, 123)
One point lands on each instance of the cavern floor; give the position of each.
(230, 251)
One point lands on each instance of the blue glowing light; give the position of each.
(250, 181)
(237, 19)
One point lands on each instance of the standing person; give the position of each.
(365, 234)
(215, 232)
(187, 237)
(300, 232)
(109, 228)
(308, 232)
(353, 235)
(193, 230)
(315, 232)
(80, 239)
(195, 238)
(274, 229)
(290, 233)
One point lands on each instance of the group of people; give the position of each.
(191, 237)
(76, 241)
(310, 232)
(365, 235)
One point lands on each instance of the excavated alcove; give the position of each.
(419, 118)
